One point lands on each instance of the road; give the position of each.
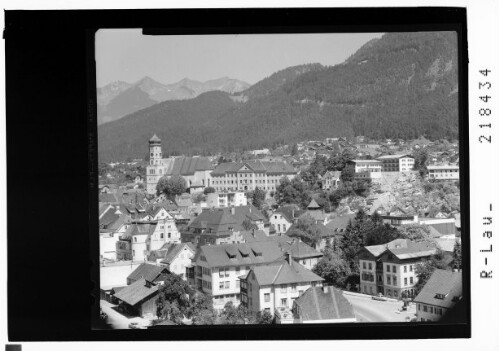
(118, 321)
(368, 310)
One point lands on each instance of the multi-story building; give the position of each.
(247, 176)
(219, 268)
(284, 217)
(396, 163)
(449, 172)
(226, 199)
(331, 180)
(223, 225)
(268, 287)
(112, 224)
(366, 169)
(390, 269)
(441, 293)
(195, 170)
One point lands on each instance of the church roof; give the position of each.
(155, 138)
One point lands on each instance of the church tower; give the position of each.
(155, 155)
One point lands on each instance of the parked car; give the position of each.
(380, 297)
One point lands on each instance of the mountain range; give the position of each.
(118, 99)
(403, 85)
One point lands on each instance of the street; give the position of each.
(118, 321)
(368, 310)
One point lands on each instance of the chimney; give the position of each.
(289, 257)
(232, 210)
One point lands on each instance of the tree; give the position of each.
(249, 225)
(201, 309)
(232, 315)
(258, 197)
(333, 269)
(173, 298)
(294, 150)
(415, 232)
(457, 256)
(380, 234)
(292, 192)
(424, 269)
(172, 186)
(420, 161)
(347, 174)
(306, 230)
(209, 190)
(264, 317)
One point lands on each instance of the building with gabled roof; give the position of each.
(331, 180)
(390, 269)
(218, 268)
(284, 217)
(268, 287)
(195, 170)
(246, 176)
(147, 271)
(396, 163)
(324, 304)
(440, 294)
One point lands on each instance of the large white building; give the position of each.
(448, 172)
(366, 169)
(396, 163)
(195, 170)
(226, 199)
(265, 175)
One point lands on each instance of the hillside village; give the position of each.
(340, 230)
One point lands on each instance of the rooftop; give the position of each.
(324, 303)
(443, 289)
(284, 273)
(136, 292)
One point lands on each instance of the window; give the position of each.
(162, 236)
(284, 227)
(419, 307)
(394, 280)
(363, 265)
(425, 308)
(266, 297)
(221, 285)
(410, 268)
(394, 269)
(169, 235)
(411, 279)
(227, 285)
(388, 268)
(293, 287)
(238, 269)
(388, 280)
(431, 309)
(370, 265)
(135, 239)
(405, 281)
(284, 288)
(284, 302)
(221, 272)
(405, 269)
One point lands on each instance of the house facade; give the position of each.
(226, 199)
(366, 169)
(331, 180)
(390, 269)
(219, 268)
(237, 176)
(269, 287)
(396, 163)
(449, 172)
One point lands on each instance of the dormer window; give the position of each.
(440, 296)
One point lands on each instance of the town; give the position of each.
(339, 230)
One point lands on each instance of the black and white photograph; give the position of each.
(266, 179)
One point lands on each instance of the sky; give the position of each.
(127, 55)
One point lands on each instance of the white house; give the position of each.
(396, 163)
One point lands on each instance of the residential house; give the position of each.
(227, 199)
(334, 230)
(267, 287)
(112, 224)
(324, 304)
(247, 176)
(218, 268)
(443, 228)
(366, 169)
(440, 294)
(390, 269)
(146, 271)
(445, 172)
(284, 217)
(178, 259)
(331, 180)
(396, 163)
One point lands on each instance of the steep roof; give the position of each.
(313, 205)
(284, 273)
(136, 292)
(250, 236)
(339, 223)
(443, 289)
(232, 254)
(187, 165)
(108, 198)
(276, 167)
(174, 250)
(317, 304)
(406, 249)
(332, 174)
(288, 211)
(155, 138)
(146, 271)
